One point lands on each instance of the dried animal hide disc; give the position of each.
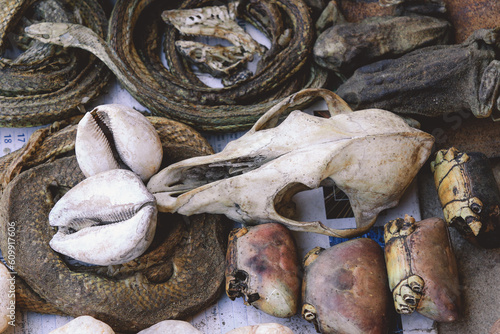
(345, 288)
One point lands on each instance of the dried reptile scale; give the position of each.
(45, 83)
(176, 91)
(181, 273)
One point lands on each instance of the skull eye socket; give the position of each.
(476, 208)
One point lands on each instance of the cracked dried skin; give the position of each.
(372, 155)
(345, 47)
(426, 253)
(432, 81)
(263, 267)
(346, 285)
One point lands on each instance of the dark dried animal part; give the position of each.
(262, 266)
(422, 269)
(432, 81)
(345, 288)
(469, 195)
(345, 47)
(176, 91)
(45, 84)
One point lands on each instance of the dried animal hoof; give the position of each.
(469, 195)
(263, 268)
(345, 288)
(422, 269)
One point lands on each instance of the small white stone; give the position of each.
(84, 325)
(171, 327)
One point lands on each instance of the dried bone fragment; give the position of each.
(422, 268)
(116, 136)
(262, 266)
(372, 155)
(216, 22)
(109, 218)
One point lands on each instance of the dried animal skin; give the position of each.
(372, 155)
(422, 268)
(345, 47)
(433, 80)
(262, 266)
(116, 136)
(109, 218)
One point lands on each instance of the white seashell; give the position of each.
(115, 136)
(84, 324)
(108, 218)
(171, 326)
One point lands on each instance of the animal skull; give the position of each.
(372, 155)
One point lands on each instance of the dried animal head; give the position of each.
(116, 136)
(372, 155)
(108, 218)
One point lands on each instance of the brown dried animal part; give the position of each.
(345, 288)
(422, 269)
(469, 196)
(262, 266)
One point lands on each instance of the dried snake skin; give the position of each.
(45, 83)
(182, 272)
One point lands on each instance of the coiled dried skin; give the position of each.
(41, 91)
(176, 92)
(180, 274)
